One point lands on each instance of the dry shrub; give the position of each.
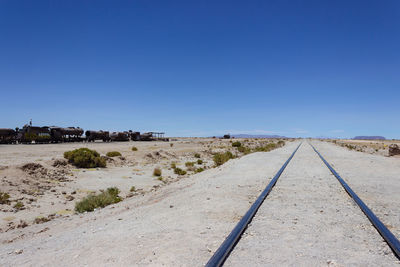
(41, 219)
(243, 149)
(157, 172)
(19, 206)
(4, 198)
(85, 158)
(113, 154)
(179, 171)
(266, 148)
(199, 170)
(91, 202)
(236, 144)
(281, 143)
(221, 158)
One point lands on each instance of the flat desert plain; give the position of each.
(307, 220)
(46, 186)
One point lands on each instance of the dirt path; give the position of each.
(309, 220)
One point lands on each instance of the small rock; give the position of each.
(331, 263)
(22, 224)
(394, 149)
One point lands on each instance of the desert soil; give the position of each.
(307, 220)
(378, 147)
(310, 220)
(33, 175)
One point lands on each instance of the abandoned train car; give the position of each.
(7, 136)
(53, 134)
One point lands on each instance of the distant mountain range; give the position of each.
(256, 136)
(369, 138)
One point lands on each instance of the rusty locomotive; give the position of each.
(53, 134)
(7, 136)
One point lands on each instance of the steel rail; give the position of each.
(227, 246)
(388, 236)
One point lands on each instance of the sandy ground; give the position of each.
(319, 224)
(178, 225)
(184, 222)
(377, 147)
(50, 191)
(375, 179)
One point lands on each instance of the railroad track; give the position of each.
(233, 238)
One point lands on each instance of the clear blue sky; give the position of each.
(203, 68)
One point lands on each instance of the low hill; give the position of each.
(369, 138)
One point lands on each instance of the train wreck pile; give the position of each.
(53, 134)
(6, 135)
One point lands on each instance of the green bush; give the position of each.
(179, 171)
(197, 155)
(199, 170)
(221, 158)
(85, 158)
(281, 143)
(113, 154)
(91, 202)
(4, 198)
(189, 164)
(134, 148)
(173, 165)
(41, 219)
(19, 205)
(157, 172)
(266, 148)
(236, 144)
(133, 189)
(243, 149)
(199, 161)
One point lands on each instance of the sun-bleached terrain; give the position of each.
(185, 219)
